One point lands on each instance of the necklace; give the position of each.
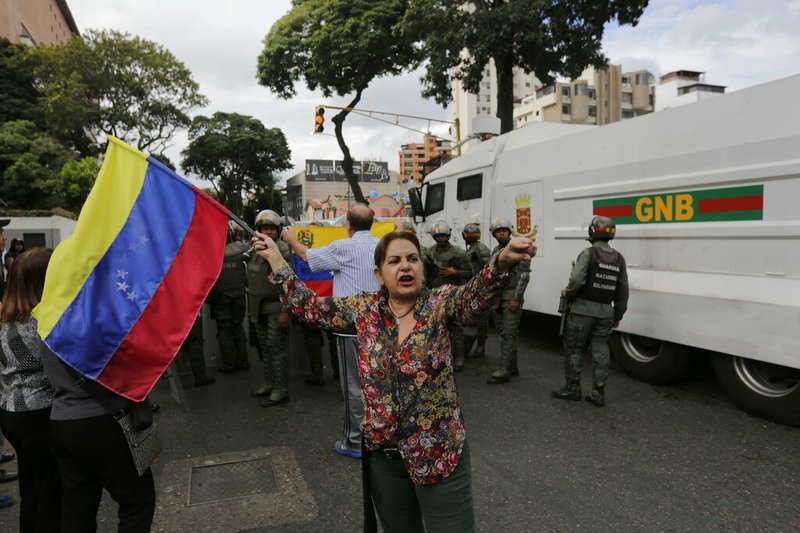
(398, 317)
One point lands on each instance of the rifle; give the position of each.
(563, 309)
(564, 304)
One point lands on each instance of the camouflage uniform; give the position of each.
(265, 306)
(446, 255)
(192, 349)
(507, 321)
(478, 255)
(228, 307)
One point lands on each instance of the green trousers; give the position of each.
(507, 323)
(402, 507)
(229, 313)
(581, 332)
(272, 341)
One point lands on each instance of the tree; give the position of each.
(19, 96)
(235, 153)
(548, 37)
(112, 83)
(339, 47)
(75, 180)
(29, 165)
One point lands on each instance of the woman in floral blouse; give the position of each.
(418, 457)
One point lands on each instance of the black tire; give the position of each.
(651, 360)
(761, 389)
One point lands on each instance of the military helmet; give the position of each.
(441, 228)
(234, 231)
(500, 223)
(471, 233)
(602, 229)
(268, 217)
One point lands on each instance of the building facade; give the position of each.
(465, 105)
(413, 157)
(322, 186)
(34, 22)
(596, 97)
(684, 87)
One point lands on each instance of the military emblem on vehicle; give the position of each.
(306, 237)
(525, 228)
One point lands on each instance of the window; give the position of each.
(565, 91)
(434, 201)
(625, 79)
(592, 111)
(580, 90)
(565, 109)
(627, 98)
(627, 113)
(488, 97)
(590, 92)
(469, 187)
(644, 78)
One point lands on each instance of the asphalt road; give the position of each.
(679, 458)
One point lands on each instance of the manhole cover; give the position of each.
(227, 481)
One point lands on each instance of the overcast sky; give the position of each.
(738, 43)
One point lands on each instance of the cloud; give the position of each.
(737, 43)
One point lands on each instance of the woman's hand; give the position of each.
(518, 249)
(266, 248)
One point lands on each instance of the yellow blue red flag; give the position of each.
(318, 236)
(123, 291)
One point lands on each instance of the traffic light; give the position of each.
(319, 119)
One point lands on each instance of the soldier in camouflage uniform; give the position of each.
(478, 254)
(192, 349)
(447, 264)
(271, 319)
(228, 304)
(509, 312)
(598, 291)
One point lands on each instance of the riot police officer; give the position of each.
(509, 312)
(478, 255)
(445, 264)
(228, 304)
(271, 319)
(598, 290)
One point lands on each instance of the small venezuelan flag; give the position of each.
(123, 291)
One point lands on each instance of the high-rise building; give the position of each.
(596, 97)
(36, 21)
(414, 156)
(465, 105)
(684, 87)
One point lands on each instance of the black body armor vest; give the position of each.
(601, 280)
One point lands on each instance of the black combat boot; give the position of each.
(570, 391)
(597, 396)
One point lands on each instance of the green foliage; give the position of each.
(19, 96)
(548, 37)
(29, 164)
(236, 153)
(76, 179)
(338, 47)
(112, 83)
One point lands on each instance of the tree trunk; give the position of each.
(504, 63)
(347, 161)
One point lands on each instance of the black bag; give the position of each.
(143, 442)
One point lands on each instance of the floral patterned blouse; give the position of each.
(408, 391)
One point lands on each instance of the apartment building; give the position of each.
(414, 156)
(596, 97)
(684, 87)
(465, 105)
(36, 21)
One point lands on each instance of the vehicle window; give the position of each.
(469, 187)
(434, 201)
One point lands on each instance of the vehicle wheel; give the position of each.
(761, 389)
(651, 360)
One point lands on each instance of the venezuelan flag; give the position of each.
(123, 291)
(318, 236)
